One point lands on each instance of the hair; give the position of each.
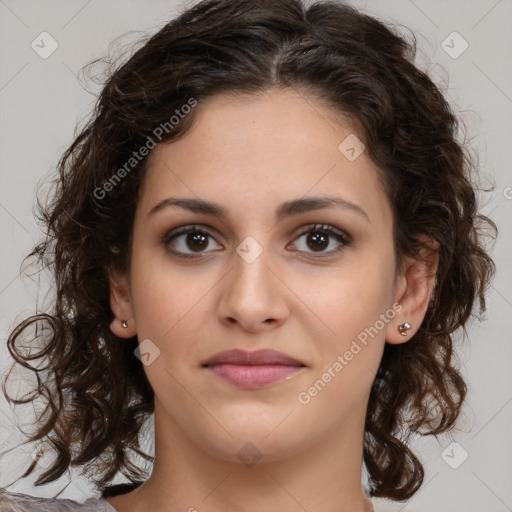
(95, 391)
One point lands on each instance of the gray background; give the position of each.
(41, 102)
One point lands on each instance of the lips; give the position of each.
(253, 370)
(257, 357)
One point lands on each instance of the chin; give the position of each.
(255, 442)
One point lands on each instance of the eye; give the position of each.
(193, 238)
(193, 241)
(320, 236)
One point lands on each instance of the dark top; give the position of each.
(114, 490)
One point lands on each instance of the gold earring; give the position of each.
(124, 323)
(403, 328)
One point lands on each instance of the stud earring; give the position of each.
(403, 328)
(124, 323)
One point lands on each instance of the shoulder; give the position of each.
(17, 502)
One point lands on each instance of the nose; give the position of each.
(254, 296)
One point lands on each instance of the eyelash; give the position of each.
(342, 238)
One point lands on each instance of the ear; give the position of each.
(122, 306)
(414, 288)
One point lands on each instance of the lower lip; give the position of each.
(254, 376)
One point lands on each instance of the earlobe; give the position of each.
(123, 324)
(414, 291)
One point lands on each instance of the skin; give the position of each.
(250, 154)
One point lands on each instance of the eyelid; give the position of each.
(325, 228)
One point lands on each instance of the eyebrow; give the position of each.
(287, 209)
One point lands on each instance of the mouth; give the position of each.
(253, 370)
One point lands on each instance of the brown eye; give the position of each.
(196, 241)
(188, 242)
(317, 241)
(319, 237)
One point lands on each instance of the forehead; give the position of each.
(251, 152)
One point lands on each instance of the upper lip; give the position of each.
(256, 357)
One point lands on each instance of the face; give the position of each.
(317, 284)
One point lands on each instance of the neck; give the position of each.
(325, 476)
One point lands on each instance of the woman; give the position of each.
(266, 236)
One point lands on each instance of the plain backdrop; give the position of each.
(467, 48)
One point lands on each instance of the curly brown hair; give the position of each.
(96, 391)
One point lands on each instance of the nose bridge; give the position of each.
(251, 272)
(253, 293)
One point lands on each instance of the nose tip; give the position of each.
(252, 294)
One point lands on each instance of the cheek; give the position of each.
(357, 311)
(168, 304)
(165, 295)
(353, 296)
(355, 308)
(170, 310)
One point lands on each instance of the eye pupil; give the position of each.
(318, 237)
(200, 238)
